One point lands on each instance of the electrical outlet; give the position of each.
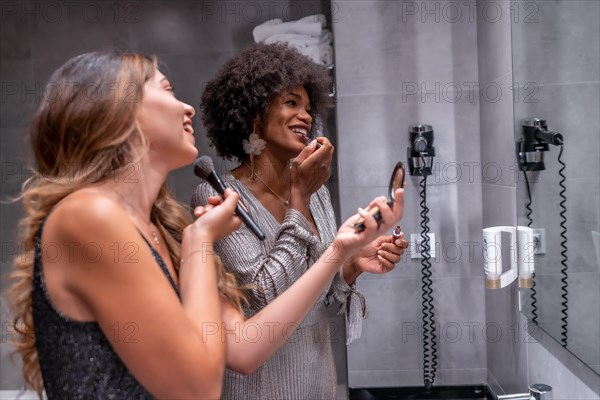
(539, 241)
(415, 245)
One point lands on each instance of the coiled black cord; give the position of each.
(529, 223)
(563, 253)
(429, 336)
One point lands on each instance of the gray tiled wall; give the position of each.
(525, 354)
(397, 70)
(567, 95)
(378, 67)
(506, 355)
(577, 117)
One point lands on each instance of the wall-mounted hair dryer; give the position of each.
(420, 151)
(420, 155)
(530, 157)
(536, 138)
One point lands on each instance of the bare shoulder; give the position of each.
(83, 229)
(85, 213)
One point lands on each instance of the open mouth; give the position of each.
(189, 129)
(302, 133)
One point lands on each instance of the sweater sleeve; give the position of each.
(351, 302)
(271, 266)
(348, 298)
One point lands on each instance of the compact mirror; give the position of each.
(396, 182)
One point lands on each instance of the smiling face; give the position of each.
(167, 123)
(287, 124)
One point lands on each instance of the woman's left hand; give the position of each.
(381, 255)
(378, 257)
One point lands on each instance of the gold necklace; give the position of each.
(148, 223)
(286, 202)
(154, 235)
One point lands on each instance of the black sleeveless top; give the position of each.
(76, 359)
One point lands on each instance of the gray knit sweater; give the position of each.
(303, 368)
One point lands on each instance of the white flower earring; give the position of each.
(253, 146)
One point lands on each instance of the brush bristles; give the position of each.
(203, 166)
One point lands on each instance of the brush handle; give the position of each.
(374, 211)
(220, 187)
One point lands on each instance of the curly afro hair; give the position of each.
(245, 86)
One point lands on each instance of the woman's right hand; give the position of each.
(349, 240)
(311, 168)
(215, 220)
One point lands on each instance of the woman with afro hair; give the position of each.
(262, 110)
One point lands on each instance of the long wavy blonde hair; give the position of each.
(82, 133)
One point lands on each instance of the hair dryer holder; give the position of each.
(536, 140)
(420, 151)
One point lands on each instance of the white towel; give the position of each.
(295, 38)
(326, 54)
(306, 35)
(319, 51)
(326, 37)
(274, 27)
(320, 18)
